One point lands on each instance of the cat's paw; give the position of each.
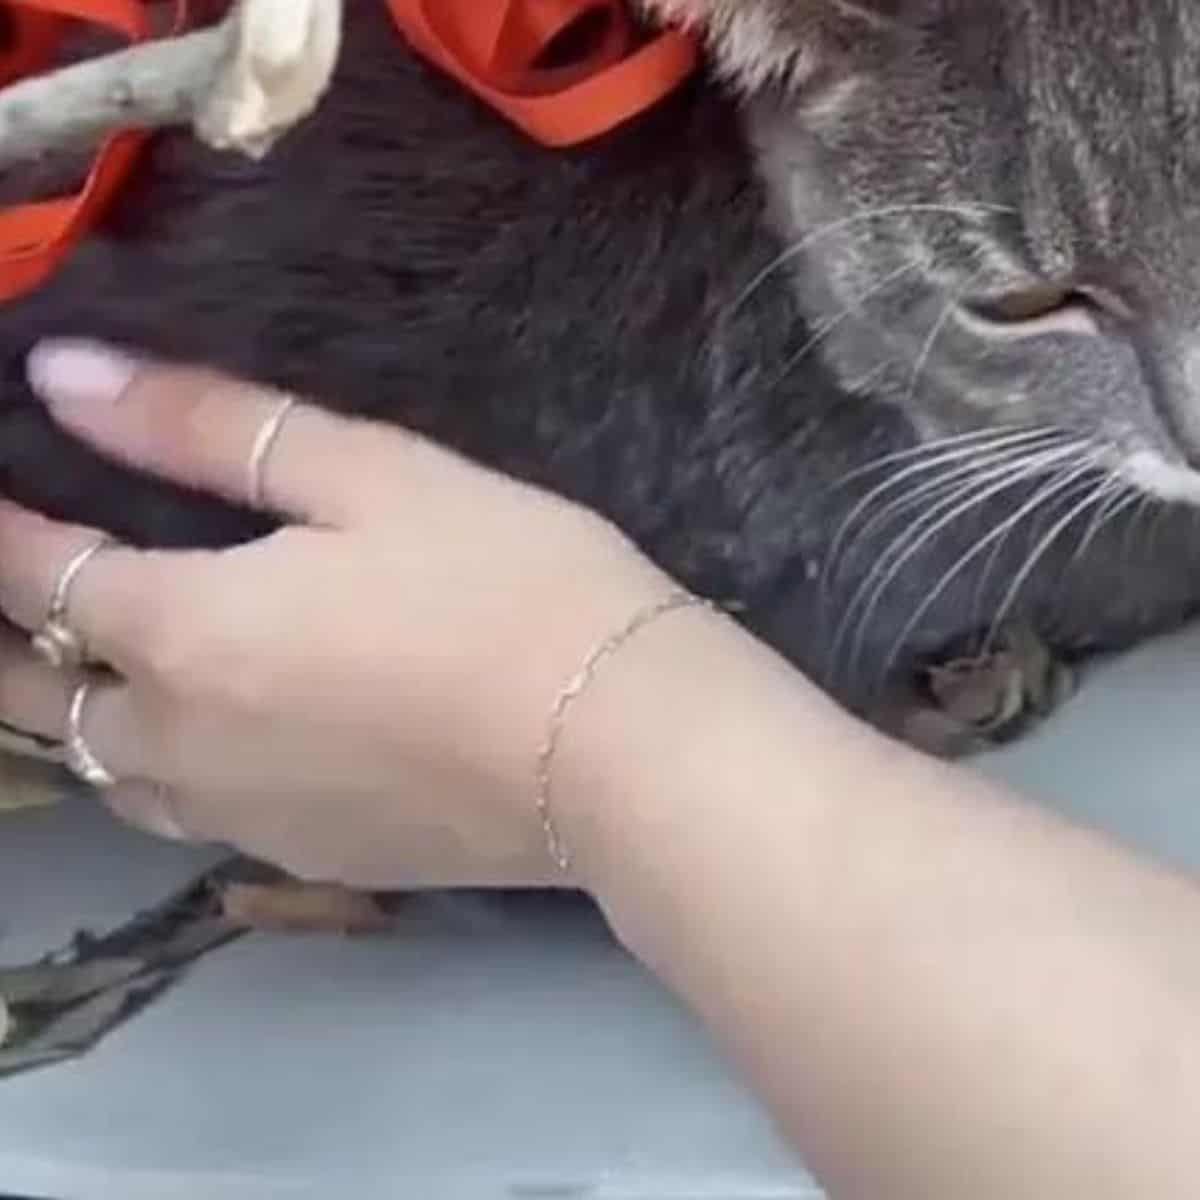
(965, 703)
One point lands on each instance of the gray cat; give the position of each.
(887, 339)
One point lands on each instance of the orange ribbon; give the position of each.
(564, 71)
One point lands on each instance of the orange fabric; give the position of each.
(499, 49)
(502, 50)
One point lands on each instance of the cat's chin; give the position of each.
(1155, 475)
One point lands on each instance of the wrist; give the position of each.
(675, 600)
(665, 748)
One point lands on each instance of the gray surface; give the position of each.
(487, 1050)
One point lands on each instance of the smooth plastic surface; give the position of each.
(490, 1049)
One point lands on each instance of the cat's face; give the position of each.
(994, 209)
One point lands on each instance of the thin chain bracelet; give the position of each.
(577, 684)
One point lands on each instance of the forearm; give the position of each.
(941, 991)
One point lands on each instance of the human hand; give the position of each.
(359, 696)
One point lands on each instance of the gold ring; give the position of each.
(80, 759)
(268, 431)
(56, 641)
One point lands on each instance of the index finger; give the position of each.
(213, 432)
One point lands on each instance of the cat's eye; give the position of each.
(1030, 303)
(1035, 310)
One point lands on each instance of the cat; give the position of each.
(880, 332)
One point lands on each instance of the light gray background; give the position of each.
(489, 1049)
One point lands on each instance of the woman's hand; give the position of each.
(362, 695)
(359, 696)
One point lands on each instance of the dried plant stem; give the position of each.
(239, 84)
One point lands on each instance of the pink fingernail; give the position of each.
(145, 806)
(71, 371)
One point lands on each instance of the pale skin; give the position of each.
(938, 990)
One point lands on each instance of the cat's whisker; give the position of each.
(858, 385)
(935, 446)
(1059, 483)
(935, 332)
(977, 479)
(963, 209)
(1156, 521)
(831, 325)
(978, 600)
(926, 531)
(1036, 555)
(1145, 504)
(1122, 495)
(879, 579)
(890, 553)
(962, 461)
(935, 491)
(1127, 502)
(927, 349)
(923, 492)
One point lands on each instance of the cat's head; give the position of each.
(993, 208)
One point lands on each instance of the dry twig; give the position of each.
(240, 84)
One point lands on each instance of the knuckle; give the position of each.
(189, 645)
(181, 425)
(192, 429)
(166, 649)
(189, 669)
(168, 653)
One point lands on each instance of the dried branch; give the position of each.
(240, 84)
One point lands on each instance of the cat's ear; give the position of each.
(754, 42)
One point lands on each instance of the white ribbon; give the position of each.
(282, 57)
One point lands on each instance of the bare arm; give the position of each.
(941, 991)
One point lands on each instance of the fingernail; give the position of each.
(162, 822)
(148, 807)
(71, 371)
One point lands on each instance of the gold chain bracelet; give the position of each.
(575, 686)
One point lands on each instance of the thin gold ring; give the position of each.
(264, 440)
(81, 760)
(56, 641)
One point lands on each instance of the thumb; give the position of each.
(249, 444)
